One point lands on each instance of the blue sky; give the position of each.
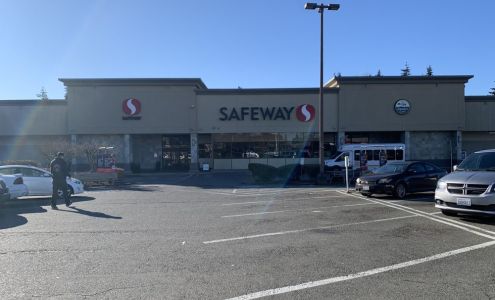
(251, 44)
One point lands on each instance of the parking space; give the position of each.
(246, 242)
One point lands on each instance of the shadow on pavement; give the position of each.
(126, 186)
(205, 180)
(478, 219)
(11, 216)
(11, 211)
(89, 213)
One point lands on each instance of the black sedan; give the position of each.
(400, 178)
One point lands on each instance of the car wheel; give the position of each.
(449, 213)
(400, 191)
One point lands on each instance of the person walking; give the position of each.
(60, 172)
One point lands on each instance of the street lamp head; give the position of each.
(333, 6)
(310, 6)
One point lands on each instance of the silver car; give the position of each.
(470, 188)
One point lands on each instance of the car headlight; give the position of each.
(385, 180)
(441, 185)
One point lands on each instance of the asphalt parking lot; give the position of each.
(208, 237)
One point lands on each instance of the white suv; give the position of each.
(470, 188)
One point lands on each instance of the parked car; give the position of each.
(4, 191)
(400, 178)
(470, 188)
(39, 181)
(15, 185)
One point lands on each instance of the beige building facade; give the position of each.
(180, 124)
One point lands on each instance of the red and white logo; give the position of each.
(131, 106)
(305, 112)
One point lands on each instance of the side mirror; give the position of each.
(454, 168)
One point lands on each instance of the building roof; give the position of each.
(336, 81)
(480, 98)
(197, 82)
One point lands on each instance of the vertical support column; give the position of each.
(459, 145)
(407, 142)
(73, 142)
(194, 152)
(127, 151)
(340, 139)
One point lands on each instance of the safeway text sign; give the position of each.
(304, 113)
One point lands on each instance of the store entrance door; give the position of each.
(176, 152)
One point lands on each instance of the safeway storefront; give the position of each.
(180, 124)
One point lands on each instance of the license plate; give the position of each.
(464, 201)
(366, 187)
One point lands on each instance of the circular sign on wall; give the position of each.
(305, 112)
(402, 106)
(131, 106)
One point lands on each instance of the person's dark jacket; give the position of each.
(59, 169)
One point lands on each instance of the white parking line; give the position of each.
(272, 200)
(442, 220)
(303, 230)
(311, 284)
(294, 210)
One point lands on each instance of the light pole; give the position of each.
(321, 8)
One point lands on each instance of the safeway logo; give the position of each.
(305, 112)
(131, 106)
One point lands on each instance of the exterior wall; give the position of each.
(480, 115)
(432, 146)
(210, 102)
(475, 141)
(370, 106)
(33, 117)
(98, 109)
(39, 149)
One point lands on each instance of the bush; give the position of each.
(263, 172)
(289, 172)
(311, 171)
(135, 168)
(293, 172)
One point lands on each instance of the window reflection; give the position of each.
(264, 145)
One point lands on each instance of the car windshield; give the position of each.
(334, 156)
(390, 169)
(484, 161)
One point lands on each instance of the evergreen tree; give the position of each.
(379, 73)
(429, 71)
(492, 91)
(406, 71)
(43, 95)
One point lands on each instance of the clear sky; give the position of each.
(251, 44)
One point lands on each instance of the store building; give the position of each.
(180, 124)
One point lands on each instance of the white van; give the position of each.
(372, 155)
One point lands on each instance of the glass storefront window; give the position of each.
(205, 146)
(268, 145)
